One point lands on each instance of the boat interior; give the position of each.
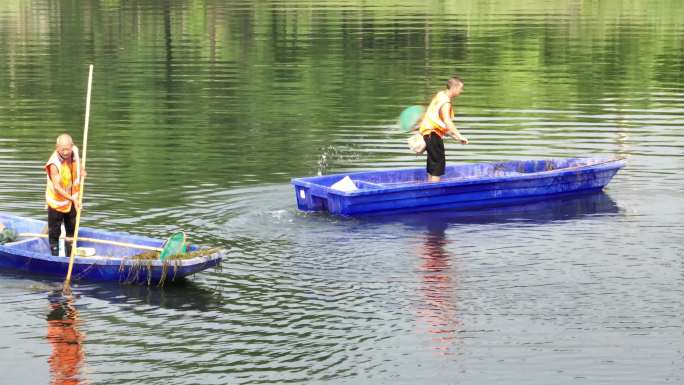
(395, 178)
(32, 237)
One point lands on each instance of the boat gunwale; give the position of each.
(110, 260)
(601, 164)
(106, 260)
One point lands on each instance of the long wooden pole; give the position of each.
(96, 240)
(82, 188)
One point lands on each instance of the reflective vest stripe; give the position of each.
(55, 203)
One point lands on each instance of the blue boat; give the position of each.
(464, 187)
(113, 258)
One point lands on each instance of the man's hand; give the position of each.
(460, 138)
(74, 199)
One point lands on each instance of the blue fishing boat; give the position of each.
(464, 187)
(112, 256)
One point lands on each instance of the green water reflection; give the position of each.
(204, 109)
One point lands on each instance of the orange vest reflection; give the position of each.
(438, 308)
(67, 353)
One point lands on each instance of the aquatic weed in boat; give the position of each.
(145, 261)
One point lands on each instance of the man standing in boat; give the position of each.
(437, 122)
(64, 175)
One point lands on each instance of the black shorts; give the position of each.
(436, 161)
(55, 220)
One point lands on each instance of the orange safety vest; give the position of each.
(433, 121)
(70, 180)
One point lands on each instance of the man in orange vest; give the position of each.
(437, 122)
(62, 191)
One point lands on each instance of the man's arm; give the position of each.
(445, 111)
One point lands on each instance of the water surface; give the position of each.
(203, 110)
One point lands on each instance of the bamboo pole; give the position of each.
(82, 187)
(96, 240)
